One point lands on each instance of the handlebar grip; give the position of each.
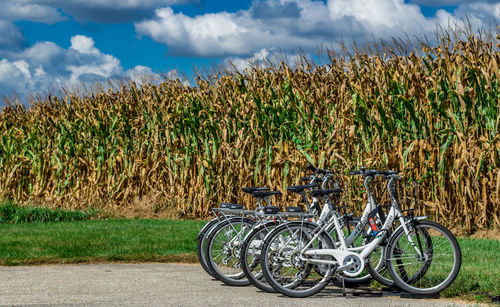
(355, 173)
(305, 179)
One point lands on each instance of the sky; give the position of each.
(49, 44)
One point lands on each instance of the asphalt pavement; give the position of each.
(158, 284)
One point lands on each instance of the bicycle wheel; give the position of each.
(381, 274)
(202, 240)
(431, 264)
(284, 265)
(250, 256)
(223, 250)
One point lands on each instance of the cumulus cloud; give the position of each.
(240, 33)
(86, 63)
(12, 75)
(380, 16)
(438, 3)
(262, 9)
(259, 58)
(307, 24)
(480, 12)
(10, 36)
(93, 10)
(21, 10)
(46, 66)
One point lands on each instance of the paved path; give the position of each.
(157, 285)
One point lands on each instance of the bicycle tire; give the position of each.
(248, 253)
(238, 278)
(447, 260)
(292, 288)
(201, 244)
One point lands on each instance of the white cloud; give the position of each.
(480, 12)
(239, 33)
(83, 44)
(21, 10)
(122, 4)
(381, 16)
(46, 66)
(438, 3)
(11, 77)
(308, 24)
(82, 10)
(10, 36)
(259, 58)
(142, 74)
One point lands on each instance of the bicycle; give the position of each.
(225, 211)
(222, 252)
(296, 257)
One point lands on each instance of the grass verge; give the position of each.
(13, 213)
(99, 241)
(480, 271)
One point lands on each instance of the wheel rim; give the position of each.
(285, 264)
(225, 248)
(431, 271)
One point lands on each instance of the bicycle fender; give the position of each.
(230, 220)
(259, 228)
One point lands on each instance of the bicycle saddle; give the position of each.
(300, 188)
(322, 193)
(250, 190)
(373, 172)
(262, 194)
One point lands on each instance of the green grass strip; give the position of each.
(12, 213)
(480, 271)
(99, 240)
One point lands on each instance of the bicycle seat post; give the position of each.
(268, 200)
(259, 205)
(367, 183)
(306, 201)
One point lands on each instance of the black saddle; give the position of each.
(230, 206)
(323, 193)
(251, 190)
(263, 194)
(294, 209)
(300, 188)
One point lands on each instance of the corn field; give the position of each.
(433, 115)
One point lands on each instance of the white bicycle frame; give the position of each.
(345, 256)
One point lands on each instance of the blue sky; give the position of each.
(47, 44)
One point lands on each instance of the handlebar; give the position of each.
(373, 173)
(318, 170)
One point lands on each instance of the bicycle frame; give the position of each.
(362, 252)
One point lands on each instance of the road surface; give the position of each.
(158, 284)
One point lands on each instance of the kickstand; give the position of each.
(343, 286)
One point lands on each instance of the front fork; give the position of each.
(408, 228)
